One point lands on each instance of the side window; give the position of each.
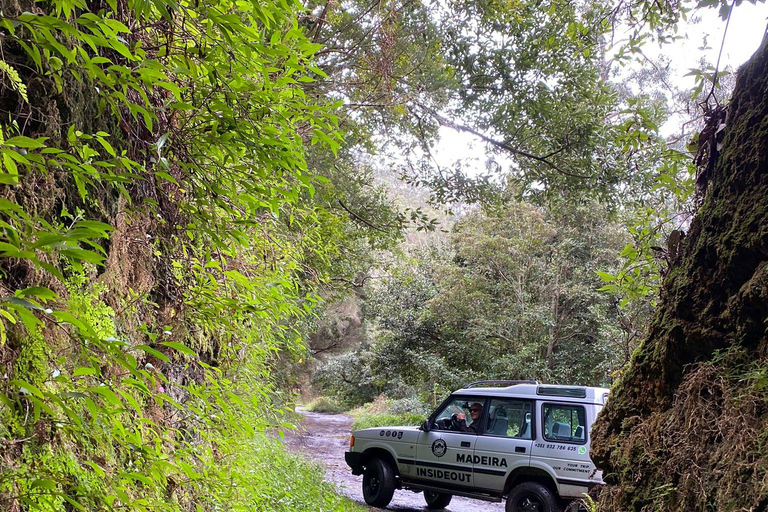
(509, 418)
(460, 415)
(564, 423)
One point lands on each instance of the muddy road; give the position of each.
(325, 437)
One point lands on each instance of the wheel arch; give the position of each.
(530, 474)
(377, 452)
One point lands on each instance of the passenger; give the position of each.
(475, 410)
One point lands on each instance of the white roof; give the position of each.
(557, 392)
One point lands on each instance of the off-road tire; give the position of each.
(378, 483)
(437, 500)
(531, 497)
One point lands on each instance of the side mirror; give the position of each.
(425, 426)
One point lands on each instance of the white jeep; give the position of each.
(526, 442)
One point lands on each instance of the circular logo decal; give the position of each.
(582, 450)
(439, 448)
(381, 433)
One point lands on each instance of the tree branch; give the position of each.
(499, 144)
(361, 219)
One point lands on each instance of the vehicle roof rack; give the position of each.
(498, 383)
(565, 391)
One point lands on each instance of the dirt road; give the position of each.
(325, 438)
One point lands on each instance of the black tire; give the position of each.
(531, 497)
(378, 483)
(437, 500)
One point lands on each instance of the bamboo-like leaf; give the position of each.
(26, 388)
(180, 347)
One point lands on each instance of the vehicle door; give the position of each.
(444, 454)
(505, 444)
(564, 446)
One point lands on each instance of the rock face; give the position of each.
(687, 425)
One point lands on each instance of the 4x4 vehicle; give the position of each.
(530, 445)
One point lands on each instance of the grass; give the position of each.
(381, 412)
(277, 480)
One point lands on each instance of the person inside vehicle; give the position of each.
(475, 410)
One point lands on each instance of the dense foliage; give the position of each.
(515, 294)
(161, 236)
(182, 183)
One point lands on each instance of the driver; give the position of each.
(475, 410)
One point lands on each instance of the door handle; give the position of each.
(466, 444)
(519, 449)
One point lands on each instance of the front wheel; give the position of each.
(531, 497)
(378, 483)
(437, 500)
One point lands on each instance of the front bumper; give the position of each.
(354, 461)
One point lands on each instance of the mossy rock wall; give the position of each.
(685, 427)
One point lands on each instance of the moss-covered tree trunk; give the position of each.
(686, 428)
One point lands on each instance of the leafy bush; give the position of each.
(410, 405)
(348, 378)
(386, 419)
(324, 404)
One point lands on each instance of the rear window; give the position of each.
(564, 423)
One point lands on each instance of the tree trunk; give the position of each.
(686, 428)
(555, 331)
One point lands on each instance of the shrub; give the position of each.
(324, 404)
(410, 405)
(386, 419)
(385, 412)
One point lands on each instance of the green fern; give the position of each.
(590, 504)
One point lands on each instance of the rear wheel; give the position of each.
(378, 483)
(437, 500)
(531, 497)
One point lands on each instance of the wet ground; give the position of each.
(325, 438)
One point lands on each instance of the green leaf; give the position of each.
(31, 322)
(96, 469)
(108, 394)
(137, 477)
(40, 292)
(25, 142)
(605, 276)
(41, 406)
(42, 483)
(69, 318)
(83, 255)
(178, 346)
(27, 388)
(84, 370)
(106, 145)
(131, 401)
(152, 351)
(167, 177)
(72, 502)
(99, 227)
